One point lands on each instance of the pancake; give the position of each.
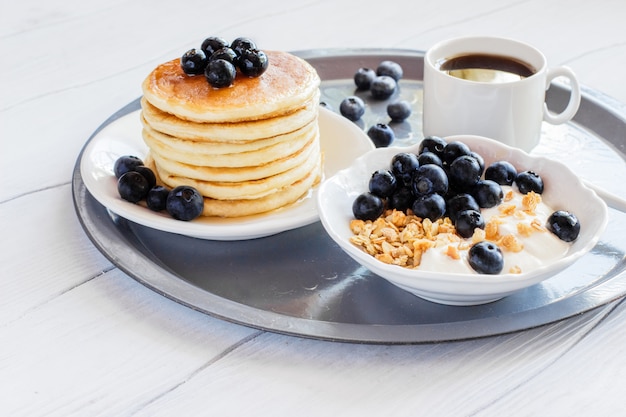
(252, 153)
(248, 190)
(245, 207)
(280, 198)
(222, 174)
(229, 132)
(288, 82)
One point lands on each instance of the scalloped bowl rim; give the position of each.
(337, 193)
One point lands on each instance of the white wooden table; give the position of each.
(78, 337)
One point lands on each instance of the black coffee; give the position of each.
(486, 68)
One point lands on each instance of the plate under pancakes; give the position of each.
(249, 148)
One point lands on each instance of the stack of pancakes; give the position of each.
(249, 148)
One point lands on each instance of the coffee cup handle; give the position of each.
(574, 99)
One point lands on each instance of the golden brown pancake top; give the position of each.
(284, 86)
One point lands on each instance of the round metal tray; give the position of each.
(300, 283)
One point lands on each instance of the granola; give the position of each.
(402, 238)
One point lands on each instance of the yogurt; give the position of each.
(536, 246)
(517, 226)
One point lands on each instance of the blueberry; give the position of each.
(242, 44)
(383, 183)
(382, 87)
(212, 44)
(226, 53)
(426, 158)
(363, 78)
(528, 181)
(502, 172)
(434, 144)
(480, 160)
(184, 203)
(488, 193)
(368, 206)
(403, 165)
(459, 203)
(391, 69)
(564, 225)
(486, 258)
(220, 73)
(352, 108)
(252, 62)
(467, 221)
(431, 206)
(429, 179)
(381, 135)
(132, 186)
(126, 163)
(399, 110)
(453, 150)
(464, 171)
(402, 199)
(148, 174)
(157, 197)
(193, 62)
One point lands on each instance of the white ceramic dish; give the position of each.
(341, 142)
(563, 190)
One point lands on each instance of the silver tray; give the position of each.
(300, 283)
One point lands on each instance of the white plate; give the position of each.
(341, 141)
(564, 190)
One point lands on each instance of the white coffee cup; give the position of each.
(510, 111)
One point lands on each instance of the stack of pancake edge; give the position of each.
(248, 148)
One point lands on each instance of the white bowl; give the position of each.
(563, 190)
